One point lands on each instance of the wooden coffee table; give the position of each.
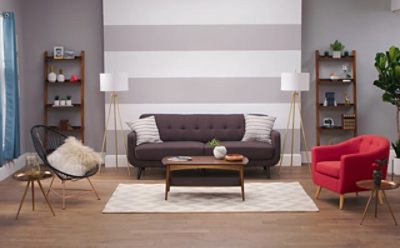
(203, 162)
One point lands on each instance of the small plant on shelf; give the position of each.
(56, 101)
(337, 48)
(69, 101)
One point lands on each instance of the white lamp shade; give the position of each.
(395, 6)
(113, 82)
(294, 81)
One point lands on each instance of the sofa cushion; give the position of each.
(156, 151)
(330, 168)
(253, 150)
(146, 130)
(258, 128)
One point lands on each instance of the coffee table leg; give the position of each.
(390, 209)
(33, 195)
(242, 182)
(167, 172)
(367, 206)
(376, 202)
(23, 198)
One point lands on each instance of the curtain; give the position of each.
(10, 131)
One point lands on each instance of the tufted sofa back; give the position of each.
(199, 127)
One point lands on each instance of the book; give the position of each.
(180, 158)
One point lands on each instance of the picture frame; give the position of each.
(58, 52)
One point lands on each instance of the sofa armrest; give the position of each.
(276, 143)
(132, 137)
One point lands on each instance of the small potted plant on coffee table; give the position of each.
(219, 151)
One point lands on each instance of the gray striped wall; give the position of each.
(217, 56)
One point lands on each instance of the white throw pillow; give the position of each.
(74, 158)
(258, 128)
(146, 130)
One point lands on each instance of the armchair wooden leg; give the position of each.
(317, 192)
(341, 203)
(63, 195)
(356, 193)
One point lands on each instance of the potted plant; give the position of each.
(337, 48)
(388, 66)
(396, 160)
(62, 101)
(69, 101)
(219, 151)
(56, 101)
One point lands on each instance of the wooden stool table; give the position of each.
(385, 185)
(30, 177)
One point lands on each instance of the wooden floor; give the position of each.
(82, 224)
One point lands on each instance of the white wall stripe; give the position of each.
(181, 64)
(131, 112)
(196, 12)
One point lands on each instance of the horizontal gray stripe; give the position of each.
(110, 147)
(202, 37)
(203, 90)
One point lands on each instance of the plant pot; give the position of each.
(336, 54)
(56, 103)
(219, 152)
(69, 102)
(396, 166)
(62, 102)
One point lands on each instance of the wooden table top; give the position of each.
(203, 160)
(385, 185)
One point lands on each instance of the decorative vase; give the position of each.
(396, 166)
(219, 152)
(62, 102)
(336, 54)
(377, 176)
(60, 77)
(52, 77)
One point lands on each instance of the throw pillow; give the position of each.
(258, 128)
(146, 130)
(74, 158)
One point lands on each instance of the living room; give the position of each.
(319, 74)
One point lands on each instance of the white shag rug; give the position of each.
(260, 197)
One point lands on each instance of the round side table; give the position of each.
(385, 185)
(30, 177)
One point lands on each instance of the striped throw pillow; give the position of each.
(258, 128)
(146, 130)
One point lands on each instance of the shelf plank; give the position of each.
(339, 106)
(75, 105)
(66, 82)
(335, 128)
(334, 81)
(330, 58)
(74, 128)
(51, 58)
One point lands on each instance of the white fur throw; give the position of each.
(74, 158)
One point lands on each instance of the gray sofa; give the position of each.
(187, 135)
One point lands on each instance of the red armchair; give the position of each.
(339, 167)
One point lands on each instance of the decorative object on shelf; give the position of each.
(328, 122)
(56, 101)
(60, 76)
(52, 76)
(69, 54)
(58, 52)
(114, 82)
(333, 76)
(349, 121)
(337, 48)
(346, 100)
(294, 82)
(63, 125)
(63, 101)
(346, 73)
(68, 101)
(326, 53)
(325, 102)
(346, 53)
(73, 78)
(330, 97)
(395, 6)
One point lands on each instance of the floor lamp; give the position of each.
(114, 82)
(294, 82)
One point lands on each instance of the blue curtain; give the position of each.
(11, 147)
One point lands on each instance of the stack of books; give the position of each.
(349, 121)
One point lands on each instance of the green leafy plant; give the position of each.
(213, 143)
(388, 66)
(68, 97)
(396, 147)
(56, 98)
(337, 46)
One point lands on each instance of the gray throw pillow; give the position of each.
(146, 130)
(258, 128)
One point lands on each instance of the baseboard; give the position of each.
(110, 160)
(9, 169)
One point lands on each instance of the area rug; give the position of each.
(260, 197)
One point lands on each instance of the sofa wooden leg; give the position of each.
(140, 170)
(267, 171)
(341, 203)
(316, 196)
